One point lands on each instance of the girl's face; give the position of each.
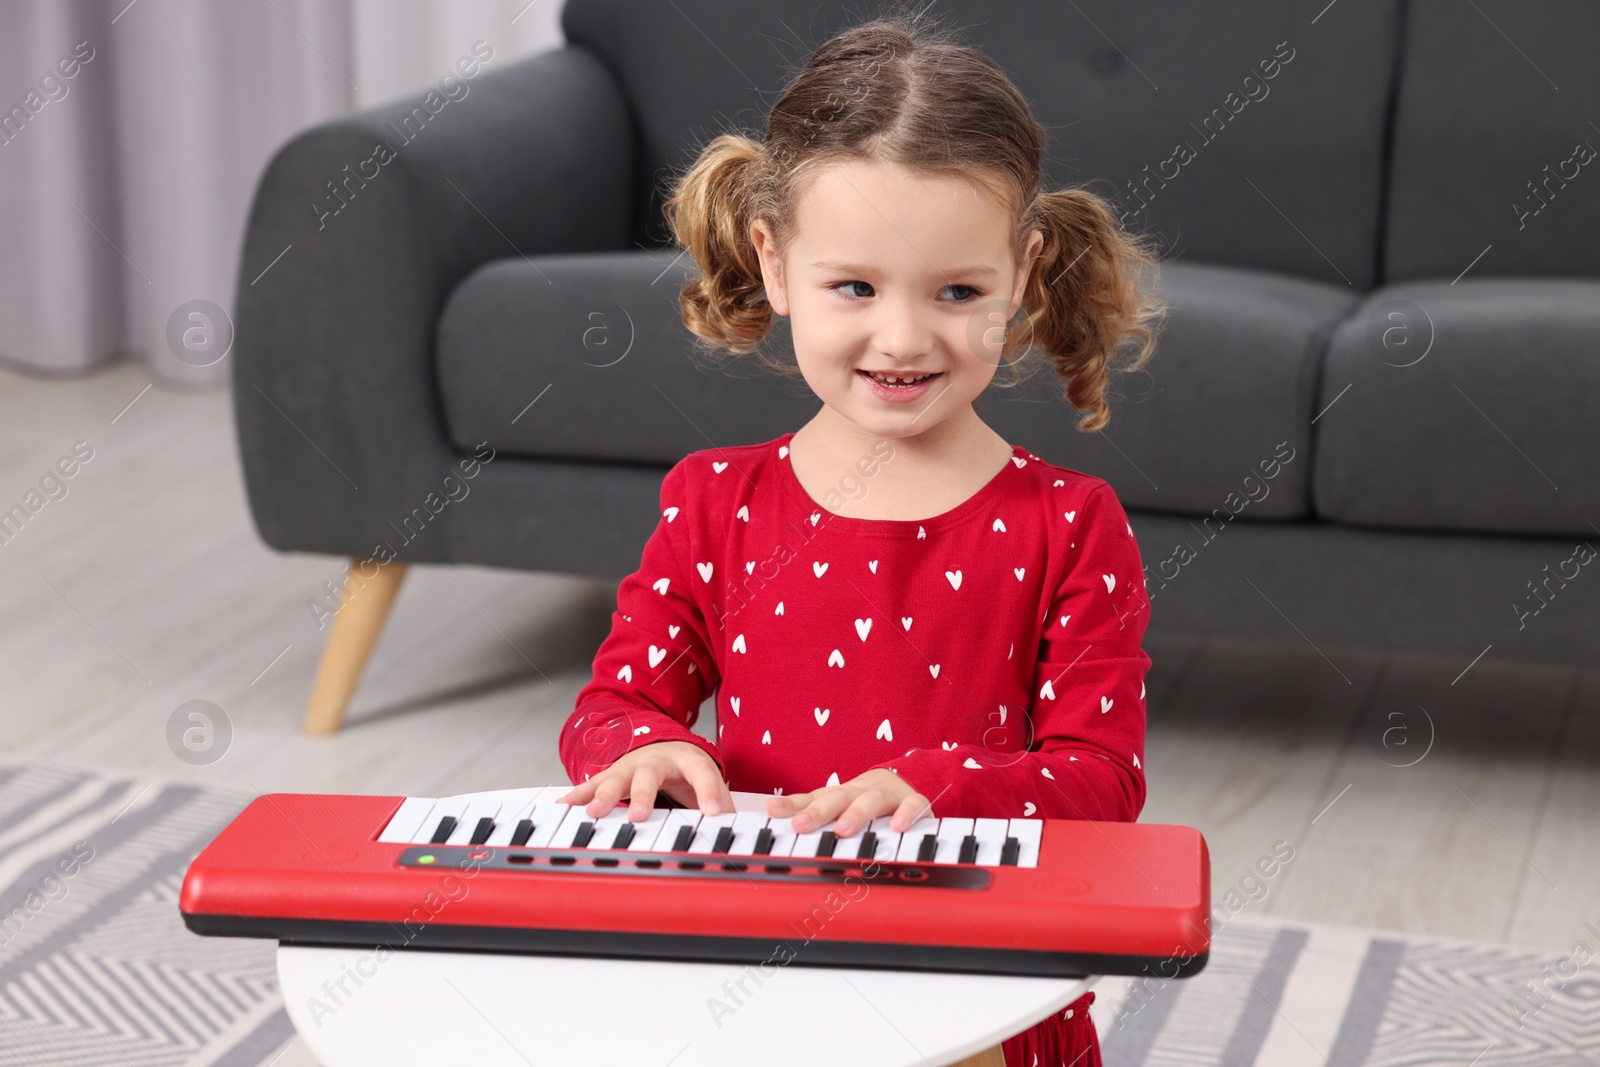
(895, 273)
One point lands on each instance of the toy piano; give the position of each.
(515, 871)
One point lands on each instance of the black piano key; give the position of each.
(969, 850)
(685, 836)
(763, 842)
(724, 840)
(447, 826)
(625, 835)
(869, 846)
(827, 843)
(524, 830)
(928, 849)
(582, 837)
(481, 832)
(1010, 852)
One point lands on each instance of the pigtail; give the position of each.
(710, 212)
(1088, 297)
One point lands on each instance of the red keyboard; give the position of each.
(514, 871)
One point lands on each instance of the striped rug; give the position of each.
(97, 968)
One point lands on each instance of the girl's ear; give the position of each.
(771, 266)
(1030, 262)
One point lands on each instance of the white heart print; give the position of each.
(836, 658)
(719, 467)
(819, 569)
(863, 628)
(1110, 580)
(821, 715)
(1028, 809)
(1047, 691)
(972, 764)
(999, 526)
(955, 579)
(656, 655)
(672, 631)
(885, 731)
(905, 620)
(744, 513)
(660, 585)
(933, 669)
(705, 571)
(1105, 704)
(671, 513)
(626, 673)
(733, 702)
(738, 643)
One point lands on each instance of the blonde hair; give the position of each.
(898, 89)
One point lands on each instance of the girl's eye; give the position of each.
(839, 287)
(965, 293)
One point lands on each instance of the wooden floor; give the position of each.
(146, 586)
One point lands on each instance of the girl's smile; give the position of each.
(898, 387)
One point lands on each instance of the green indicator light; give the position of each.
(425, 859)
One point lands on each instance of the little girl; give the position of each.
(900, 613)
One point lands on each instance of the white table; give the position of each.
(444, 1009)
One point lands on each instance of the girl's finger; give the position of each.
(642, 794)
(606, 794)
(782, 805)
(825, 804)
(709, 788)
(912, 808)
(866, 807)
(580, 793)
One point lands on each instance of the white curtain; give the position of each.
(132, 135)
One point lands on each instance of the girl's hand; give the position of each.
(855, 804)
(677, 768)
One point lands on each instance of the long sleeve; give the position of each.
(655, 668)
(1084, 755)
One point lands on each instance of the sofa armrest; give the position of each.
(359, 230)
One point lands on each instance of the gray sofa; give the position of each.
(1371, 421)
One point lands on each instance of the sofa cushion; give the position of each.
(585, 357)
(1216, 125)
(1496, 166)
(1464, 407)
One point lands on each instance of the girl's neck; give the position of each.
(926, 474)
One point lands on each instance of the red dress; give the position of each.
(990, 655)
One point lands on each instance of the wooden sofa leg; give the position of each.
(989, 1057)
(351, 638)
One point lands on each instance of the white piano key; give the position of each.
(519, 805)
(547, 818)
(746, 825)
(783, 835)
(991, 834)
(648, 830)
(911, 840)
(607, 825)
(568, 830)
(705, 834)
(1027, 831)
(677, 818)
(805, 845)
(888, 840)
(454, 806)
(951, 831)
(407, 820)
(483, 806)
